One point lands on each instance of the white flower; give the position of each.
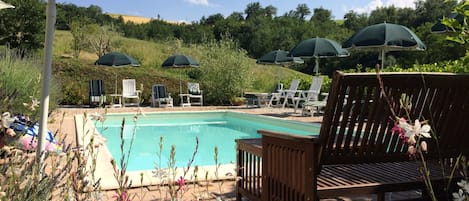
(33, 105)
(98, 117)
(416, 130)
(459, 196)
(464, 185)
(7, 120)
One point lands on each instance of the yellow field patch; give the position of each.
(134, 19)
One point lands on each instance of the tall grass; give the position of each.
(21, 81)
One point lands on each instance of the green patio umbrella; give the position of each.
(441, 28)
(180, 61)
(318, 48)
(278, 57)
(385, 37)
(116, 59)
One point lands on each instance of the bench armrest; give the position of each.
(289, 160)
(286, 136)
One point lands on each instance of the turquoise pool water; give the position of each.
(181, 129)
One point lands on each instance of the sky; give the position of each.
(194, 10)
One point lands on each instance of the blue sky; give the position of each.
(194, 10)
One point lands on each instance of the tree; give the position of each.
(383, 14)
(253, 10)
(355, 21)
(22, 28)
(212, 19)
(302, 10)
(432, 10)
(100, 39)
(322, 22)
(79, 30)
(270, 11)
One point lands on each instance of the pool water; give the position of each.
(213, 129)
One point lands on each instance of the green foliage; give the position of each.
(459, 29)
(22, 28)
(225, 70)
(20, 82)
(79, 30)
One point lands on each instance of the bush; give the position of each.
(225, 70)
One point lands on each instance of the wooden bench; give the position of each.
(356, 153)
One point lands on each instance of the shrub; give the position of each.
(225, 70)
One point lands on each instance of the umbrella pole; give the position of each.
(382, 59)
(316, 67)
(115, 85)
(180, 83)
(47, 73)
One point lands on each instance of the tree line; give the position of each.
(257, 29)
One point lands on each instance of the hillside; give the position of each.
(151, 55)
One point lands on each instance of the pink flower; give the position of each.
(122, 197)
(181, 183)
(399, 130)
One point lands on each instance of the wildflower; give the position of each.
(33, 105)
(411, 150)
(399, 130)
(97, 117)
(412, 132)
(464, 185)
(122, 197)
(7, 120)
(181, 183)
(459, 196)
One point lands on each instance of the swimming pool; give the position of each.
(180, 129)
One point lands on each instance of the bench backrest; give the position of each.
(357, 122)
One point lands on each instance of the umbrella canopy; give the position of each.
(4, 5)
(441, 28)
(116, 59)
(180, 61)
(318, 48)
(385, 37)
(278, 57)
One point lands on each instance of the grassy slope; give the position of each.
(151, 55)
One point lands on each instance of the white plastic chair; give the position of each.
(312, 94)
(284, 94)
(129, 91)
(194, 92)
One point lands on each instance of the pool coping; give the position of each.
(104, 171)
